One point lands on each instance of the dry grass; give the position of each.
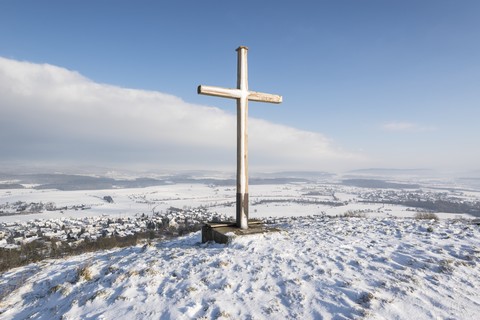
(84, 273)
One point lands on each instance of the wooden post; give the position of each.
(242, 140)
(242, 95)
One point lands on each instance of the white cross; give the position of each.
(242, 95)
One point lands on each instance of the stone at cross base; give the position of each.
(218, 232)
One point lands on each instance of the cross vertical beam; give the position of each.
(242, 95)
(242, 139)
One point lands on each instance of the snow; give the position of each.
(386, 265)
(316, 268)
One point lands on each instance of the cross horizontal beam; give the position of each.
(238, 93)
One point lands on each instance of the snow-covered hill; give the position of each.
(317, 268)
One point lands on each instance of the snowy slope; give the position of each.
(317, 268)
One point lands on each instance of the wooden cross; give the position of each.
(242, 95)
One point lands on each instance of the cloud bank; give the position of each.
(51, 114)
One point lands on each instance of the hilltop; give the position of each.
(318, 267)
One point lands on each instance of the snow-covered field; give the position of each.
(278, 200)
(317, 268)
(386, 265)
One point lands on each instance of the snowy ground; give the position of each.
(317, 268)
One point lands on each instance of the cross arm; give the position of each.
(220, 92)
(264, 97)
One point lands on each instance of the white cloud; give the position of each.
(50, 113)
(406, 127)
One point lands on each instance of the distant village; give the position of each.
(74, 231)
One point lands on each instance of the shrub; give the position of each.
(49, 248)
(353, 214)
(426, 216)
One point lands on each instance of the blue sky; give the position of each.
(383, 83)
